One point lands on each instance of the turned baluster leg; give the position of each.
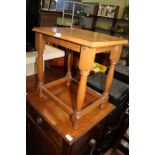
(86, 61)
(69, 75)
(40, 45)
(114, 57)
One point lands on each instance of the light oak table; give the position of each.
(74, 97)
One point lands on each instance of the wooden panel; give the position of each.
(57, 62)
(83, 143)
(48, 19)
(40, 143)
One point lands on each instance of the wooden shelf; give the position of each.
(121, 32)
(100, 28)
(106, 17)
(121, 19)
(112, 18)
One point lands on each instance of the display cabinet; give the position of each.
(48, 13)
(48, 5)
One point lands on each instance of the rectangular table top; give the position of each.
(81, 37)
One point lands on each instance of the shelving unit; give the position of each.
(108, 14)
(81, 14)
(114, 26)
(121, 27)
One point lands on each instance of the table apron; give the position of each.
(63, 43)
(73, 46)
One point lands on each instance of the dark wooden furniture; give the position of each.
(35, 16)
(74, 97)
(49, 130)
(39, 140)
(32, 19)
(49, 18)
(122, 135)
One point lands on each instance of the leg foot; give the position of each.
(75, 120)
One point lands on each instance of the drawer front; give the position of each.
(44, 126)
(88, 143)
(39, 142)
